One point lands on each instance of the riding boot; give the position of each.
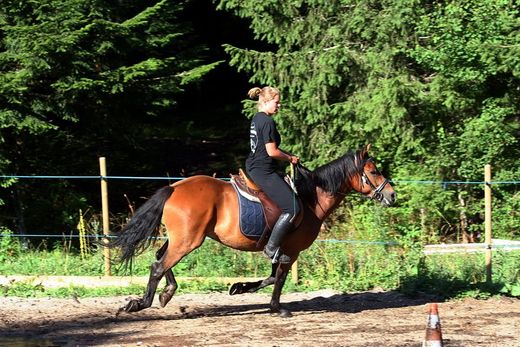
(280, 230)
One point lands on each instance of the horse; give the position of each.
(202, 206)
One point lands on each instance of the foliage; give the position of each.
(434, 86)
(348, 267)
(9, 246)
(26, 290)
(23, 289)
(456, 275)
(82, 78)
(63, 60)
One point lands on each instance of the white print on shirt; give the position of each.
(253, 137)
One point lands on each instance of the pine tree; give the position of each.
(83, 77)
(434, 86)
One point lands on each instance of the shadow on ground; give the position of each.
(104, 325)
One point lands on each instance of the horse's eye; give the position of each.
(374, 173)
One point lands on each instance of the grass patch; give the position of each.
(30, 290)
(338, 266)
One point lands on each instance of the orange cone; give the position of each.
(433, 329)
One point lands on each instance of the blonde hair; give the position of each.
(263, 94)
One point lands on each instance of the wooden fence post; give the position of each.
(106, 220)
(487, 220)
(294, 272)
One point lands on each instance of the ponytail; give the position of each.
(253, 93)
(263, 94)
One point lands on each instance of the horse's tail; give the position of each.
(143, 229)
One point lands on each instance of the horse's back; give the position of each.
(202, 191)
(208, 206)
(199, 179)
(199, 197)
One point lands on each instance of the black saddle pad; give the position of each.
(251, 216)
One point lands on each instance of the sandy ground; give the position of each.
(323, 318)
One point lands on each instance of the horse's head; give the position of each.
(371, 182)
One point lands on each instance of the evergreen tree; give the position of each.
(434, 86)
(85, 77)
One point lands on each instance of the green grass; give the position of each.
(210, 260)
(458, 275)
(338, 266)
(26, 290)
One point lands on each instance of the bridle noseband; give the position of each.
(377, 195)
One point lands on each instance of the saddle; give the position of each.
(250, 194)
(248, 189)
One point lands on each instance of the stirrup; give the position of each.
(278, 257)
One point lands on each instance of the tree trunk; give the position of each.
(20, 220)
(466, 237)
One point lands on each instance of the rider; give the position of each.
(261, 166)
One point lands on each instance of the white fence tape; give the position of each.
(502, 245)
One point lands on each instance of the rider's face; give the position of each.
(271, 107)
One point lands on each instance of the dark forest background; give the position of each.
(159, 89)
(204, 131)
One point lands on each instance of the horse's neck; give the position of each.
(327, 203)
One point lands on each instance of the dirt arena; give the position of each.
(323, 318)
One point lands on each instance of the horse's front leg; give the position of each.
(281, 276)
(251, 287)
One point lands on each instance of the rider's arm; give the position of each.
(274, 152)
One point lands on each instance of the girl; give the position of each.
(262, 165)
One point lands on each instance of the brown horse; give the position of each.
(202, 206)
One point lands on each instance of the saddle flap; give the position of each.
(271, 210)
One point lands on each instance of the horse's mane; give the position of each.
(328, 177)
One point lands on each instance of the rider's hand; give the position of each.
(293, 159)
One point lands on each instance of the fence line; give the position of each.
(428, 249)
(93, 177)
(103, 178)
(380, 243)
(108, 177)
(502, 245)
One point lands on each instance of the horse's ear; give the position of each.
(364, 151)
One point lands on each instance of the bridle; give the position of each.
(377, 195)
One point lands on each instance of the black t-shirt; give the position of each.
(263, 130)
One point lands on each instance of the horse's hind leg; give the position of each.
(171, 284)
(251, 287)
(156, 273)
(171, 255)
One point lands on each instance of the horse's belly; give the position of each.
(227, 229)
(209, 205)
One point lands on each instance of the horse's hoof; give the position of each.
(164, 298)
(282, 312)
(285, 313)
(121, 309)
(132, 306)
(237, 288)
